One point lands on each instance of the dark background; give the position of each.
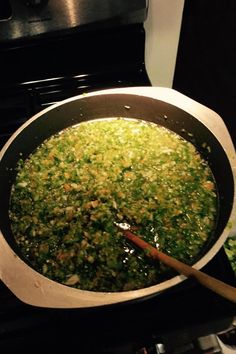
(206, 59)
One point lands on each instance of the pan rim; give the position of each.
(114, 297)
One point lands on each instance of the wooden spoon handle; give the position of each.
(218, 286)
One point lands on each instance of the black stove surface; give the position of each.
(178, 316)
(36, 74)
(69, 67)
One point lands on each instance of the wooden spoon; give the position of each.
(219, 287)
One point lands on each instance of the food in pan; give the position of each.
(70, 191)
(230, 249)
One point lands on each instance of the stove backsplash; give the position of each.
(20, 19)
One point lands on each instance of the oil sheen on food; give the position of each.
(70, 191)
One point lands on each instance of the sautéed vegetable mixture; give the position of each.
(70, 191)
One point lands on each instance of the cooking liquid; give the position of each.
(70, 191)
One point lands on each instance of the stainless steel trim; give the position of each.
(30, 18)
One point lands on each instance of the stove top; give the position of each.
(64, 67)
(178, 316)
(36, 74)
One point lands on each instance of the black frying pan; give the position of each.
(71, 112)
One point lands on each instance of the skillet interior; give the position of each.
(117, 105)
